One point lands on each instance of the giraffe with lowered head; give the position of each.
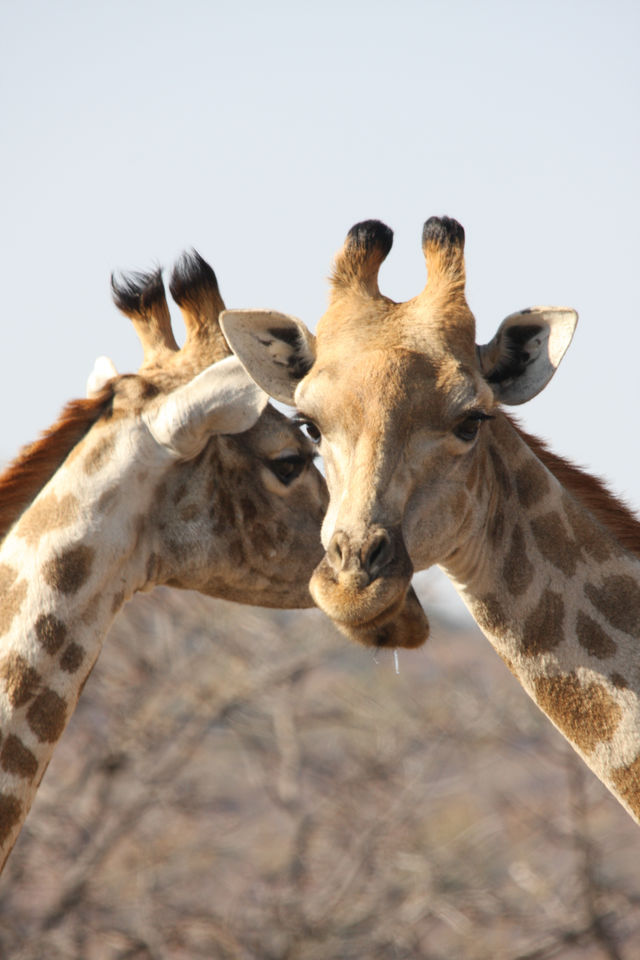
(425, 467)
(179, 475)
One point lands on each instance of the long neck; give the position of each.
(74, 557)
(558, 595)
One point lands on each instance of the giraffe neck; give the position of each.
(68, 565)
(558, 596)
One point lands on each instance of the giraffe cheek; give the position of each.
(427, 526)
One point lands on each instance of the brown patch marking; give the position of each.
(48, 513)
(17, 759)
(554, 544)
(261, 539)
(532, 484)
(72, 658)
(50, 632)
(10, 814)
(543, 627)
(8, 577)
(98, 454)
(517, 570)
(618, 681)
(70, 570)
(108, 500)
(47, 716)
(597, 543)
(90, 613)
(618, 600)
(490, 615)
(592, 637)
(501, 473)
(21, 681)
(189, 512)
(587, 714)
(118, 600)
(626, 781)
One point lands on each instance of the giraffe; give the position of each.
(424, 466)
(178, 475)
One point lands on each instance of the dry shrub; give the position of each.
(244, 784)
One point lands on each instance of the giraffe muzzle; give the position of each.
(365, 561)
(364, 585)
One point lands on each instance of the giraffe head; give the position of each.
(235, 507)
(396, 395)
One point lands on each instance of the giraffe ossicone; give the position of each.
(178, 475)
(425, 467)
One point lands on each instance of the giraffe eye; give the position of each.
(467, 430)
(286, 469)
(309, 429)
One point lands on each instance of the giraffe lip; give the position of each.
(402, 624)
(354, 602)
(379, 619)
(386, 613)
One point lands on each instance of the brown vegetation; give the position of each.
(242, 784)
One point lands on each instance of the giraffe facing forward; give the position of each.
(424, 467)
(179, 475)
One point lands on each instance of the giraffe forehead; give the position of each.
(427, 321)
(399, 388)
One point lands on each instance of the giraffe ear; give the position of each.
(276, 350)
(526, 352)
(221, 399)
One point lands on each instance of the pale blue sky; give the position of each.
(260, 132)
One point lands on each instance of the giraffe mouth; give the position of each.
(385, 613)
(403, 624)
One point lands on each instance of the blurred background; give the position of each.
(246, 785)
(243, 784)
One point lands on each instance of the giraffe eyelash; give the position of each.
(467, 429)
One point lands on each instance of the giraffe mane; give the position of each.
(611, 511)
(37, 462)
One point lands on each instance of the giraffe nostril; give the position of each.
(368, 558)
(335, 552)
(378, 553)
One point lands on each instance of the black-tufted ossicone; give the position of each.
(442, 232)
(356, 266)
(370, 236)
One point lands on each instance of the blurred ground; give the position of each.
(245, 784)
